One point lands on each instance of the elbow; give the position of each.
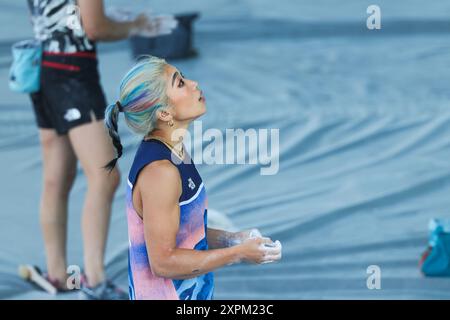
(96, 30)
(167, 272)
(162, 267)
(159, 271)
(168, 268)
(94, 33)
(164, 272)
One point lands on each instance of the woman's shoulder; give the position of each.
(160, 175)
(160, 169)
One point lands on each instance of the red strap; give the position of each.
(424, 257)
(81, 54)
(62, 66)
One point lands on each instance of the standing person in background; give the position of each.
(69, 110)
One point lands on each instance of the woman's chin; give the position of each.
(202, 107)
(202, 113)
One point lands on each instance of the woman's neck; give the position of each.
(173, 136)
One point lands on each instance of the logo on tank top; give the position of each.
(191, 184)
(72, 114)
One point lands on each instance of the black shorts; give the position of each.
(70, 93)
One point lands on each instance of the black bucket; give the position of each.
(177, 45)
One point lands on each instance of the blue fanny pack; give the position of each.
(24, 75)
(436, 260)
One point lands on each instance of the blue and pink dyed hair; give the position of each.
(142, 94)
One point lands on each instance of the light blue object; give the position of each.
(24, 75)
(437, 262)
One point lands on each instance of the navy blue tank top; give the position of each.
(192, 233)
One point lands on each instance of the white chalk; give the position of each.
(254, 233)
(272, 251)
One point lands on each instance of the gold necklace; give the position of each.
(180, 154)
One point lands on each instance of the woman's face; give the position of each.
(185, 98)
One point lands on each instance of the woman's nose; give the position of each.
(194, 84)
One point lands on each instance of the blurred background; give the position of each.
(364, 125)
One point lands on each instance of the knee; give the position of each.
(114, 178)
(105, 180)
(59, 185)
(51, 185)
(69, 179)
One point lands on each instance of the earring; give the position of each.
(170, 123)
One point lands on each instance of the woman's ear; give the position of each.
(164, 115)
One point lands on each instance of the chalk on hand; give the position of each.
(272, 251)
(276, 244)
(254, 233)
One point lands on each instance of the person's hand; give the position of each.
(260, 250)
(144, 24)
(141, 22)
(153, 26)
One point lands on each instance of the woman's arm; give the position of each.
(99, 27)
(159, 186)
(220, 238)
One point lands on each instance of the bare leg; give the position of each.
(59, 170)
(94, 149)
